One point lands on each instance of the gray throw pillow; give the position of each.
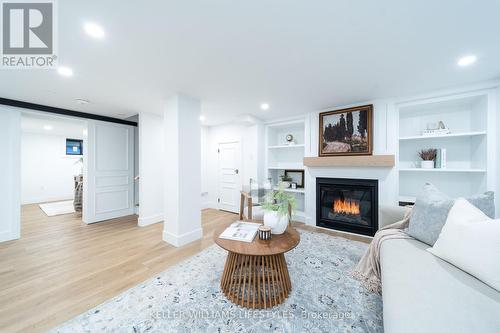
(431, 211)
(429, 214)
(485, 202)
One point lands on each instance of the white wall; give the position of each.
(151, 159)
(10, 138)
(136, 159)
(251, 139)
(46, 171)
(182, 202)
(497, 192)
(205, 202)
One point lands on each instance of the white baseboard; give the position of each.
(148, 220)
(9, 235)
(208, 204)
(180, 240)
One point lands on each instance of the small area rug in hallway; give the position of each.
(58, 208)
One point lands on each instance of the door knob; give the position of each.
(236, 171)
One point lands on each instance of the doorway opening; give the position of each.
(52, 164)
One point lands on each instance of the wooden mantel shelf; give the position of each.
(351, 161)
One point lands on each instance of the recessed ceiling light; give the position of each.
(94, 30)
(467, 60)
(264, 106)
(65, 71)
(81, 101)
(48, 127)
(202, 118)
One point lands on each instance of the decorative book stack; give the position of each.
(440, 162)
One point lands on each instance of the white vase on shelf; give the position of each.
(427, 164)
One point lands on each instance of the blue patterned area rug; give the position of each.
(187, 298)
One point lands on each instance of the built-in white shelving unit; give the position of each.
(468, 161)
(281, 156)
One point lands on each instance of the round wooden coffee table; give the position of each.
(256, 275)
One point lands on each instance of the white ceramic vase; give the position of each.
(277, 223)
(427, 164)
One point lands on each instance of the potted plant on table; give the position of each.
(428, 156)
(277, 207)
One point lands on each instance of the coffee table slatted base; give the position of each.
(256, 282)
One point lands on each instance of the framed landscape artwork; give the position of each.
(346, 132)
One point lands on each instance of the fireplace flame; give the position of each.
(348, 206)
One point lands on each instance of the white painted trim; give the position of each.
(148, 220)
(184, 239)
(208, 204)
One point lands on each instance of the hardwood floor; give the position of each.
(61, 267)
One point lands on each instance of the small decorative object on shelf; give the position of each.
(264, 232)
(440, 162)
(295, 176)
(289, 139)
(428, 156)
(293, 186)
(436, 129)
(285, 181)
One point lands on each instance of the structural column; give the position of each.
(182, 176)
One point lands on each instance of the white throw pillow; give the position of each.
(470, 241)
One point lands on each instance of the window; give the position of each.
(74, 147)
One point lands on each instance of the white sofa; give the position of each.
(422, 293)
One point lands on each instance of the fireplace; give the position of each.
(347, 204)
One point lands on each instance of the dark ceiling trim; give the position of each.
(65, 112)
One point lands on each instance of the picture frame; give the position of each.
(297, 177)
(346, 132)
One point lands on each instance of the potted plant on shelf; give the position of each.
(285, 181)
(428, 156)
(277, 208)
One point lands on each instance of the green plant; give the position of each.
(279, 201)
(285, 178)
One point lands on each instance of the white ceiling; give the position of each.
(298, 56)
(68, 127)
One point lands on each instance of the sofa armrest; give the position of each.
(390, 214)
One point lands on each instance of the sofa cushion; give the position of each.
(429, 214)
(470, 240)
(431, 210)
(422, 293)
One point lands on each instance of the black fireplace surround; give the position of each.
(347, 204)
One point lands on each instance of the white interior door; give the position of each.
(108, 186)
(229, 176)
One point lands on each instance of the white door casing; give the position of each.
(108, 186)
(229, 176)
